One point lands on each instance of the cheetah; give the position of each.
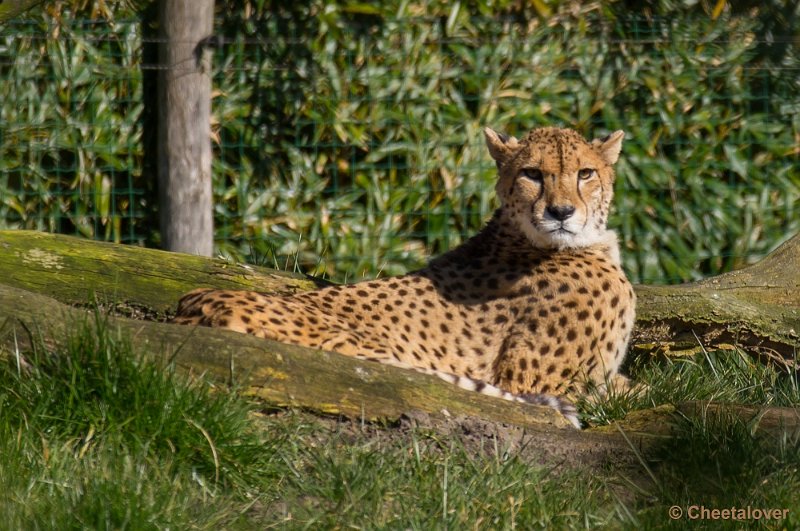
(534, 308)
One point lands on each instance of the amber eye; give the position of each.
(585, 173)
(534, 174)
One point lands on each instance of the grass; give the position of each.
(720, 463)
(95, 436)
(412, 484)
(723, 376)
(715, 461)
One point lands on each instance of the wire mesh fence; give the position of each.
(348, 136)
(70, 137)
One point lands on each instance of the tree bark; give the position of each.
(44, 276)
(184, 140)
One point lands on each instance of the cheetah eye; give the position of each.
(533, 174)
(585, 173)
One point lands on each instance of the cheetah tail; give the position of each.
(562, 405)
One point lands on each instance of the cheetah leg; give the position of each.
(615, 385)
(619, 384)
(520, 369)
(517, 371)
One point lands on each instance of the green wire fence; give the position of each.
(348, 136)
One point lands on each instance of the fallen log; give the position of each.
(12, 8)
(756, 308)
(43, 277)
(73, 270)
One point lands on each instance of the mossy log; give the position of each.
(11, 8)
(756, 307)
(45, 279)
(72, 270)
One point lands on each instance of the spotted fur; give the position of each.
(533, 308)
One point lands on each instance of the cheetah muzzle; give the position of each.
(534, 308)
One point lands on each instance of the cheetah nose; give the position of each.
(561, 213)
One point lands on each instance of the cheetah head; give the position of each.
(555, 186)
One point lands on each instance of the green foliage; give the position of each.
(70, 143)
(348, 134)
(381, 110)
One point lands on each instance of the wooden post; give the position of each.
(184, 135)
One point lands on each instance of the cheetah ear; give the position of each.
(500, 145)
(609, 146)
